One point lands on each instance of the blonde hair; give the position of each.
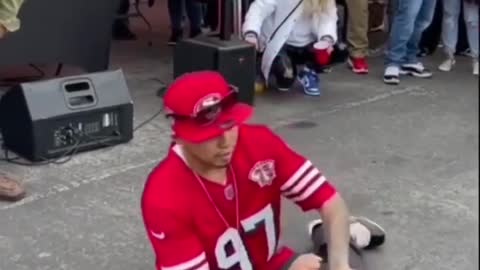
(311, 7)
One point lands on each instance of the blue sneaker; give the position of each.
(309, 80)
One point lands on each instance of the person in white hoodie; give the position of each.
(290, 33)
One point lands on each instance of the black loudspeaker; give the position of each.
(55, 118)
(234, 59)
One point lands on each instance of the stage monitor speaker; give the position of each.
(234, 59)
(60, 117)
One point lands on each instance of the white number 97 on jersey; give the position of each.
(230, 250)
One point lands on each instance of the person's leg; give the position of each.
(471, 21)
(462, 43)
(402, 28)
(357, 35)
(451, 12)
(194, 13)
(283, 70)
(175, 11)
(422, 21)
(303, 59)
(212, 15)
(124, 7)
(10, 189)
(432, 35)
(121, 31)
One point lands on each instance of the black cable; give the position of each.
(39, 70)
(66, 156)
(71, 151)
(148, 120)
(13, 81)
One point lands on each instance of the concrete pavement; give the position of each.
(405, 156)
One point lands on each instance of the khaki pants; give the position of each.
(357, 27)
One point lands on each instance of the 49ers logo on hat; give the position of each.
(207, 105)
(263, 172)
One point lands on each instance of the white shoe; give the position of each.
(475, 67)
(364, 232)
(447, 65)
(392, 75)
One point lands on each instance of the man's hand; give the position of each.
(3, 31)
(306, 262)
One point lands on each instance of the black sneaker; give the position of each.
(176, 36)
(416, 70)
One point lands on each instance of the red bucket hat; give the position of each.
(203, 106)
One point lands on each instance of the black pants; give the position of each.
(320, 248)
(284, 67)
(122, 10)
(124, 7)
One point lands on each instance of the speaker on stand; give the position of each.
(226, 53)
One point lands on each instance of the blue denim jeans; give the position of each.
(451, 13)
(193, 9)
(411, 18)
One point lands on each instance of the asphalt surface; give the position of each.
(405, 156)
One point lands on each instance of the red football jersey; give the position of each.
(185, 227)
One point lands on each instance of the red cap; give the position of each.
(191, 93)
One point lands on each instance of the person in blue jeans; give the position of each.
(411, 18)
(194, 13)
(450, 24)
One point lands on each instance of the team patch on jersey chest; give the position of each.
(263, 172)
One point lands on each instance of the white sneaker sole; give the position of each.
(446, 67)
(312, 224)
(391, 81)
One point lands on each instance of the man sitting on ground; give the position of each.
(214, 201)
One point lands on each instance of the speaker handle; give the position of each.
(79, 94)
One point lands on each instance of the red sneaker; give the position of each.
(358, 65)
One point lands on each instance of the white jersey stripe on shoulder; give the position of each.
(311, 189)
(194, 263)
(296, 176)
(303, 182)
